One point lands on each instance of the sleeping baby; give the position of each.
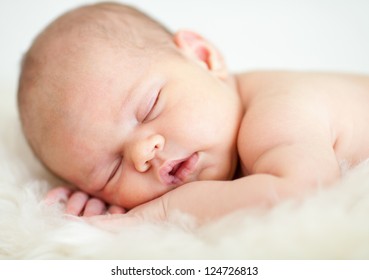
(143, 122)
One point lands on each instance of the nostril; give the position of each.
(157, 147)
(145, 166)
(157, 142)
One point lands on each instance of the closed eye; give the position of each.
(150, 114)
(112, 174)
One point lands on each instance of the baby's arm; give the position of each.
(79, 203)
(288, 150)
(282, 172)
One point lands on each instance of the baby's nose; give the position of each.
(146, 149)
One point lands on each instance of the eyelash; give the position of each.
(146, 118)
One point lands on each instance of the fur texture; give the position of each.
(331, 224)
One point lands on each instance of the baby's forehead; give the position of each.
(113, 23)
(88, 30)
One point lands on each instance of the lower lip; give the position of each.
(187, 168)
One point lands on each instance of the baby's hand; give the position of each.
(79, 203)
(152, 211)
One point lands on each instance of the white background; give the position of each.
(260, 34)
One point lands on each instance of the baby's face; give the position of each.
(137, 128)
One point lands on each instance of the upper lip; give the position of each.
(169, 172)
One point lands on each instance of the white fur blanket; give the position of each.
(331, 224)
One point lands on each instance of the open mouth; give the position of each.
(175, 169)
(176, 172)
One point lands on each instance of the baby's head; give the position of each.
(115, 104)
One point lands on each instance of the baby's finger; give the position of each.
(76, 203)
(114, 209)
(94, 207)
(58, 195)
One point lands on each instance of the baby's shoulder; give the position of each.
(277, 95)
(303, 109)
(271, 84)
(280, 107)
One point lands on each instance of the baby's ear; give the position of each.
(202, 51)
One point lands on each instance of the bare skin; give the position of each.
(291, 140)
(178, 132)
